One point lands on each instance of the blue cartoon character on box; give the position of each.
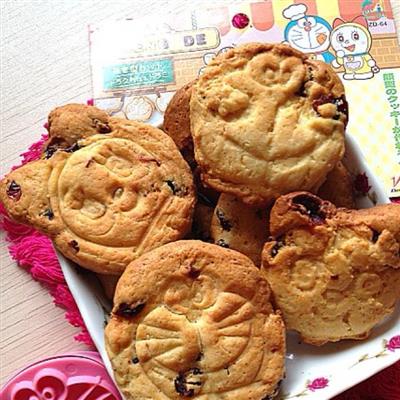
(308, 33)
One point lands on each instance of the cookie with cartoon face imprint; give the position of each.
(193, 320)
(266, 120)
(108, 198)
(334, 272)
(237, 226)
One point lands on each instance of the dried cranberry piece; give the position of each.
(55, 144)
(72, 148)
(175, 189)
(101, 127)
(48, 213)
(310, 206)
(310, 74)
(223, 221)
(74, 244)
(342, 105)
(50, 150)
(181, 388)
(280, 242)
(340, 102)
(193, 272)
(181, 382)
(324, 99)
(196, 371)
(222, 243)
(172, 185)
(375, 236)
(14, 191)
(127, 310)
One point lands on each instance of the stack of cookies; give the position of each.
(230, 226)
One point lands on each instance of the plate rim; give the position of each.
(67, 267)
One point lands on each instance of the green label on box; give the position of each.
(138, 74)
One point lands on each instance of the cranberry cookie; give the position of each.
(193, 320)
(266, 120)
(334, 272)
(107, 198)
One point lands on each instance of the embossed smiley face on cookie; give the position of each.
(267, 120)
(192, 319)
(334, 272)
(108, 198)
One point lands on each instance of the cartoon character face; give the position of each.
(309, 34)
(351, 38)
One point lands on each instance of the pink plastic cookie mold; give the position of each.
(77, 376)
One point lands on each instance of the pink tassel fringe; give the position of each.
(34, 252)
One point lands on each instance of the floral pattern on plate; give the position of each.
(311, 386)
(391, 345)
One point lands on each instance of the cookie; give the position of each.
(69, 123)
(267, 120)
(237, 226)
(338, 187)
(334, 272)
(177, 121)
(193, 320)
(108, 198)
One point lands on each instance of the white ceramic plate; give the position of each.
(311, 372)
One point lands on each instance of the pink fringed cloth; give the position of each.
(34, 252)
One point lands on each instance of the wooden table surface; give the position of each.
(45, 63)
